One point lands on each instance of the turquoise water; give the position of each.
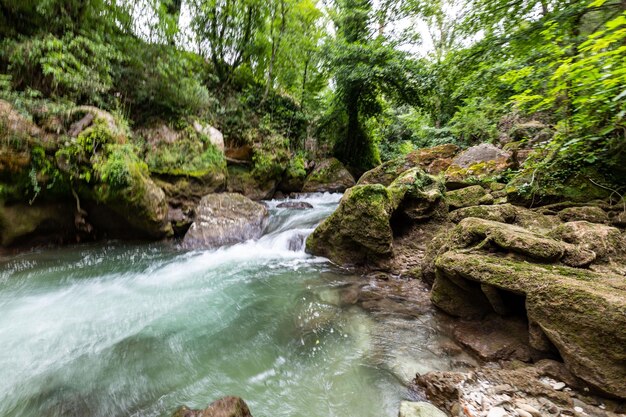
(137, 330)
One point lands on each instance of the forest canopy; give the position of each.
(364, 81)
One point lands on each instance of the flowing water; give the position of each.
(137, 330)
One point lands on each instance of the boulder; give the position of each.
(581, 312)
(480, 163)
(329, 175)
(432, 160)
(605, 241)
(419, 409)
(215, 137)
(484, 152)
(469, 196)
(124, 186)
(89, 120)
(503, 213)
(417, 197)
(37, 223)
(294, 177)
(591, 214)
(224, 407)
(359, 230)
(225, 219)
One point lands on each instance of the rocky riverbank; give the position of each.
(537, 293)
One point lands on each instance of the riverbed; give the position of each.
(120, 329)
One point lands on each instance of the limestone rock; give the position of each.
(225, 219)
(329, 175)
(419, 409)
(432, 160)
(24, 223)
(359, 230)
(580, 311)
(587, 213)
(215, 136)
(480, 153)
(503, 213)
(607, 242)
(469, 196)
(224, 407)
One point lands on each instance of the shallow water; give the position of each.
(137, 330)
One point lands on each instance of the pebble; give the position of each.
(522, 413)
(578, 409)
(497, 412)
(529, 409)
(559, 386)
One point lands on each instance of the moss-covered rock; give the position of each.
(359, 231)
(124, 185)
(186, 152)
(417, 196)
(294, 176)
(503, 213)
(243, 180)
(468, 196)
(431, 160)
(329, 175)
(606, 242)
(526, 189)
(581, 312)
(482, 163)
(27, 224)
(591, 214)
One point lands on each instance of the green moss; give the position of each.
(191, 154)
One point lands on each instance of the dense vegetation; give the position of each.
(349, 78)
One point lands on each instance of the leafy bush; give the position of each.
(75, 67)
(161, 81)
(120, 165)
(475, 121)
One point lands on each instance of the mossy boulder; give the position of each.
(359, 231)
(591, 214)
(124, 186)
(329, 175)
(503, 213)
(173, 154)
(431, 160)
(295, 175)
(242, 180)
(417, 197)
(608, 243)
(469, 196)
(225, 219)
(480, 163)
(581, 312)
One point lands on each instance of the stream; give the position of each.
(119, 329)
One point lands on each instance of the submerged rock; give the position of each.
(419, 409)
(328, 176)
(295, 205)
(224, 407)
(225, 219)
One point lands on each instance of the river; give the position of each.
(119, 329)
